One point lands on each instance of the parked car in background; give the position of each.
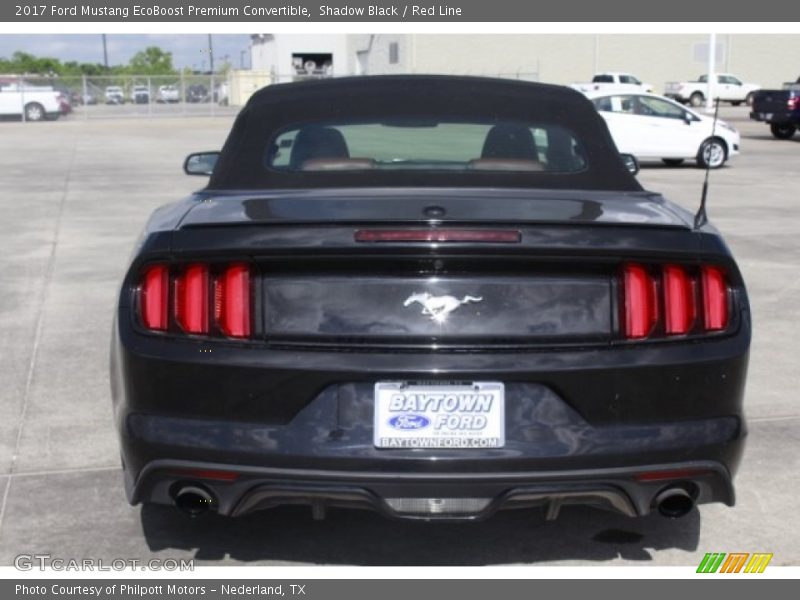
(197, 92)
(779, 108)
(114, 95)
(434, 297)
(168, 94)
(140, 94)
(613, 82)
(34, 103)
(87, 99)
(727, 89)
(652, 127)
(221, 94)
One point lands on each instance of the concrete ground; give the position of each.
(73, 197)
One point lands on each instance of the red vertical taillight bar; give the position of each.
(191, 299)
(232, 299)
(715, 298)
(640, 308)
(154, 296)
(679, 300)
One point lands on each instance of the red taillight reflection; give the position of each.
(673, 474)
(679, 301)
(232, 301)
(715, 299)
(212, 474)
(641, 308)
(191, 299)
(154, 297)
(496, 236)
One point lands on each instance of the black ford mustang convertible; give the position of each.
(434, 297)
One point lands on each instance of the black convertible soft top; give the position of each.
(278, 107)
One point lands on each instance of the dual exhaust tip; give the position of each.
(674, 502)
(194, 500)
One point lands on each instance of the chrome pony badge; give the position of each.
(438, 307)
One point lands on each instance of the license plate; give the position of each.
(766, 116)
(422, 415)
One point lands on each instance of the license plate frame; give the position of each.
(439, 415)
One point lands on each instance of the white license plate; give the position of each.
(422, 415)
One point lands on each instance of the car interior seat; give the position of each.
(316, 142)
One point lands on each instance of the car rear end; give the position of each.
(677, 91)
(779, 108)
(386, 300)
(260, 360)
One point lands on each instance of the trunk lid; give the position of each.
(317, 286)
(370, 205)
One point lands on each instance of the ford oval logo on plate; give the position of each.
(409, 422)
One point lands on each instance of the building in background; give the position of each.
(551, 58)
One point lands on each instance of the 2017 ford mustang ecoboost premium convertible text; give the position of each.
(434, 297)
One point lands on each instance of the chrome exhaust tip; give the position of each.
(674, 502)
(193, 500)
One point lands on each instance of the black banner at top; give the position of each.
(463, 11)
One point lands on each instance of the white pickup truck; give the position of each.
(613, 82)
(727, 88)
(36, 103)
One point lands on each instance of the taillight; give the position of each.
(154, 296)
(187, 293)
(694, 301)
(679, 301)
(793, 103)
(715, 299)
(641, 309)
(232, 301)
(191, 299)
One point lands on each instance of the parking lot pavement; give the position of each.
(74, 195)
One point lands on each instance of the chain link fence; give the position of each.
(33, 98)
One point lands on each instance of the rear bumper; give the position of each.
(775, 117)
(290, 426)
(455, 496)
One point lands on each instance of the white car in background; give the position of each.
(168, 93)
(34, 103)
(654, 128)
(612, 82)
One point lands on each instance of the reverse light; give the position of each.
(154, 293)
(232, 301)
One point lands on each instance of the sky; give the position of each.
(187, 50)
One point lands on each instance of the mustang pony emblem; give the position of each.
(438, 307)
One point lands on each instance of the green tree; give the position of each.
(151, 61)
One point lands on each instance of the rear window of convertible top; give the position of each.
(425, 145)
